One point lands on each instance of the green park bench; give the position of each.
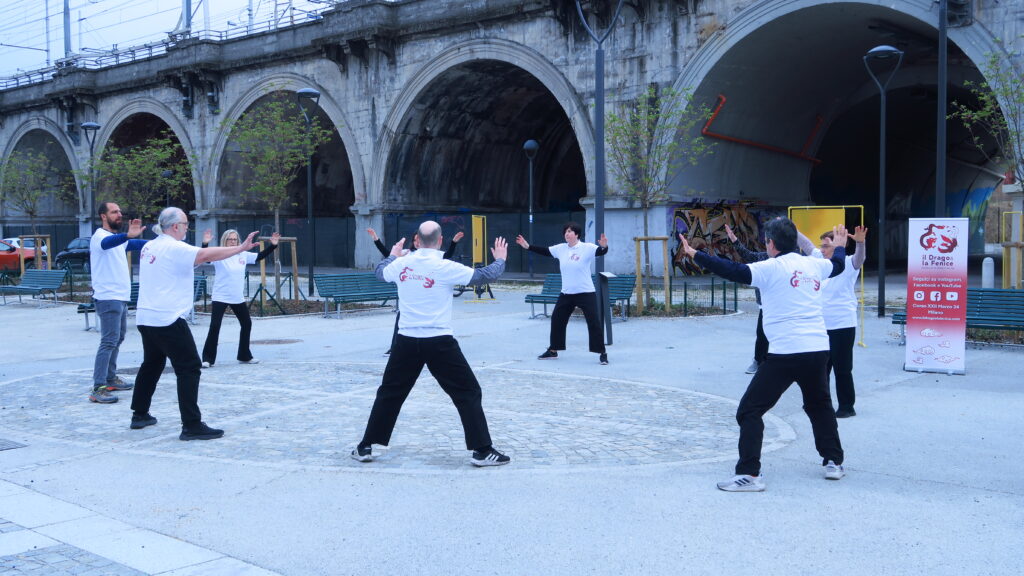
(90, 307)
(350, 288)
(36, 283)
(987, 308)
(620, 292)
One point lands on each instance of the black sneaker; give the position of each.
(363, 453)
(548, 354)
(118, 384)
(140, 421)
(845, 413)
(604, 358)
(488, 457)
(200, 432)
(102, 395)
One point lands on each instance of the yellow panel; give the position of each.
(479, 240)
(814, 222)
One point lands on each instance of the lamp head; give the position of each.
(883, 52)
(530, 148)
(308, 94)
(90, 126)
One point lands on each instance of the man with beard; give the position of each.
(112, 290)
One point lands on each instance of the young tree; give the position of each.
(29, 178)
(274, 144)
(143, 179)
(996, 123)
(649, 143)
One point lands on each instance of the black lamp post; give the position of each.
(530, 148)
(599, 172)
(881, 54)
(90, 129)
(313, 96)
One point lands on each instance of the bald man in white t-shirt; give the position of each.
(166, 295)
(425, 338)
(791, 300)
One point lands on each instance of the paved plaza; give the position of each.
(613, 467)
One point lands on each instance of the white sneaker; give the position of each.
(207, 365)
(752, 369)
(743, 483)
(250, 361)
(834, 471)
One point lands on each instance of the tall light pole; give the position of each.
(310, 95)
(940, 129)
(599, 168)
(882, 54)
(90, 128)
(530, 148)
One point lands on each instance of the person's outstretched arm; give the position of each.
(451, 247)
(720, 266)
(602, 246)
(860, 253)
(492, 271)
(746, 254)
(377, 242)
(274, 238)
(542, 250)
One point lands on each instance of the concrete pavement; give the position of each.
(613, 467)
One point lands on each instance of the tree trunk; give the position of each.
(277, 256)
(646, 276)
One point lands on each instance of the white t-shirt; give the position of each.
(230, 277)
(165, 281)
(425, 280)
(791, 301)
(839, 298)
(575, 263)
(110, 277)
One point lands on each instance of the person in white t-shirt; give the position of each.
(575, 262)
(791, 300)
(840, 312)
(112, 288)
(425, 282)
(228, 285)
(165, 298)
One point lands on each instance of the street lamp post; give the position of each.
(530, 148)
(599, 168)
(90, 128)
(878, 54)
(311, 95)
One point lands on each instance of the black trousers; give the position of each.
(564, 307)
(761, 344)
(808, 370)
(159, 344)
(443, 357)
(241, 312)
(840, 346)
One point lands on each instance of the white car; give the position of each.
(30, 243)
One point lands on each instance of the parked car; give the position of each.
(77, 254)
(10, 256)
(30, 243)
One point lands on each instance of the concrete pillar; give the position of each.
(1016, 193)
(366, 254)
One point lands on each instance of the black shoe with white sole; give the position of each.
(363, 453)
(488, 457)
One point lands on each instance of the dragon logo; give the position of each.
(574, 257)
(799, 279)
(940, 238)
(406, 274)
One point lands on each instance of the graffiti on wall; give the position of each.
(703, 226)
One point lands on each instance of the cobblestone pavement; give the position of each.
(308, 414)
(62, 560)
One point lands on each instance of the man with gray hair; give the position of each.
(425, 281)
(165, 299)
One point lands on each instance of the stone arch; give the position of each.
(289, 82)
(508, 52)
(53, 129)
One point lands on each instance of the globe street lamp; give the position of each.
(879, 55)
(530, 148)
(310, 95)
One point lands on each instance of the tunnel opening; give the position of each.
(333, 193)
(49, 209)
(807, 111)
(459, 151)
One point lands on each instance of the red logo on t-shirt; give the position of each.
(148, 255)
(406, 274)
(798, 278)
(574, 257)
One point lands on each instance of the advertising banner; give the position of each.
(937, 295)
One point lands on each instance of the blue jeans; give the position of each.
(113, 320)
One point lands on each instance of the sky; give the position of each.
(98, 25)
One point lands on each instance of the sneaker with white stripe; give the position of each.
(743, 483)
(488, 457)
(834, 471)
